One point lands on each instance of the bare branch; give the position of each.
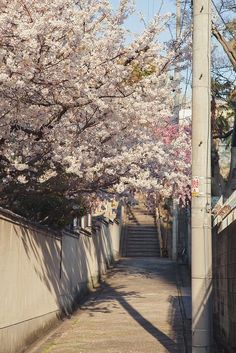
(223, 136)
(226, 45)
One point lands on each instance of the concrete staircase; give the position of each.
(141, 236)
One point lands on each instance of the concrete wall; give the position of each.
(44, 273)
(224, 284)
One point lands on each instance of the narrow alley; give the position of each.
(137, 309)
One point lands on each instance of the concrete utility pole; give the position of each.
(177, 73)
(178, 18)
(176, 120)
(201, 180)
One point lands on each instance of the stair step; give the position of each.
(142, 226)
(141, 237)
(143, 245)
(131, 248)
(143, 234)
(139, 248)
(142, 255)
(150, 244)
(141, 216)
(141, 231)
(144, 251)
(140, 211)
(142, 241)
(140, 223)
(145, 219)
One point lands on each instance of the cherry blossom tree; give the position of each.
(83, 108)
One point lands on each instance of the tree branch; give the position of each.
(37, 133)
(223, 136)
(226, 45)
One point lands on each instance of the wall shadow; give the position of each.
(50, 272)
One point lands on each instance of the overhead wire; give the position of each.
(160, 7)
(187, 83)
(182, 100)
(188, 74)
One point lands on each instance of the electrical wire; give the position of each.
(188, 72)
(187, 82)
(160, 7)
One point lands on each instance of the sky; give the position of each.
(148, 8)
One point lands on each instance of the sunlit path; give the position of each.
(136, 311)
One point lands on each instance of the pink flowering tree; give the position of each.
(82, 108)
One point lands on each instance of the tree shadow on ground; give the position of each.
(110, 295)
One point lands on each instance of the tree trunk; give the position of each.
(217, 183)
(226, 45)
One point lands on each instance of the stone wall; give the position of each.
(44, 273)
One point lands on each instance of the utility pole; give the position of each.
(178, 19)
(201, 180)
(176, 121)
(177, 73)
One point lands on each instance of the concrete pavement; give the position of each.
(136, 310)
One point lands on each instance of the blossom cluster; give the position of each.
(82, 108)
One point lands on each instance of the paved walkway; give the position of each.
(137, 310)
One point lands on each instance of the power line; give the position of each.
(160, 8)
(187, 82)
